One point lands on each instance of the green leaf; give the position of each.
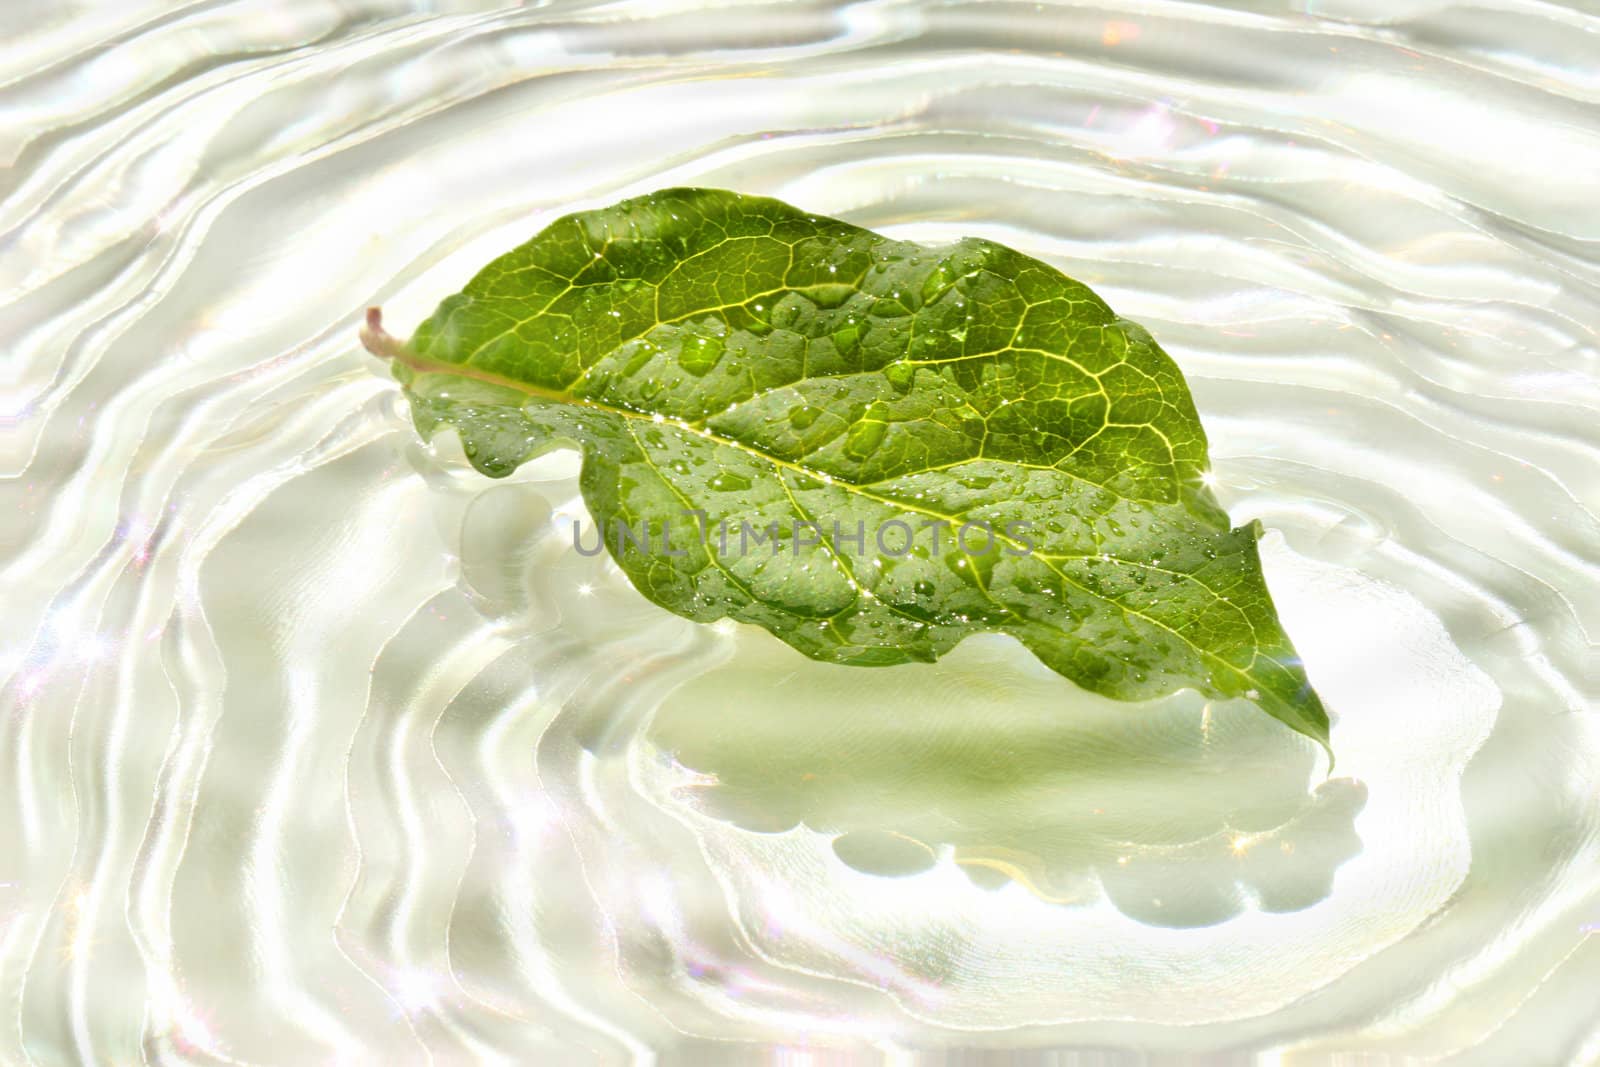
(736, 357)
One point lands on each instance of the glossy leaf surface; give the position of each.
(870, 448)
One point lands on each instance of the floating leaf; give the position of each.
(868, 447)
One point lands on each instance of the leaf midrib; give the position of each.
(426, 365)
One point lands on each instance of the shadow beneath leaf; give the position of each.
(1181, 813)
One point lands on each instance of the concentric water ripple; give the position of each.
(317, 747)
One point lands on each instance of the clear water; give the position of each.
(316, 747)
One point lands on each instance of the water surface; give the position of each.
(317, 747)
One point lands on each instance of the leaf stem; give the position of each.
(376, 339)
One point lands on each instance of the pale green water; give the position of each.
(319, 748)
